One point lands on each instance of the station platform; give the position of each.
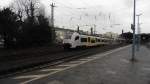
(112, 67)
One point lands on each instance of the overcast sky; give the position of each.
(107, 15)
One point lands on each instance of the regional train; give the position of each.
(78, 40)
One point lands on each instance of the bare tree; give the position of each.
(26, 8)
(35, 27)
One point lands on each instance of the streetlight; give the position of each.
(138, 32)
(133, 28)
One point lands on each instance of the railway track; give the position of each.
(58, 58)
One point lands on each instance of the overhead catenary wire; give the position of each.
(84, 14)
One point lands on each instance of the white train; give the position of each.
(77, 40)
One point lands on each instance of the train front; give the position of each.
(69, 41)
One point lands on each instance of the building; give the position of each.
(62, 33)
(111, 35)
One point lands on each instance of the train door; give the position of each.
(89, 41)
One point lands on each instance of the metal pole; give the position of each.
(78, 29)
(52, 14)
(138, 32)
(133, 44)
(52, 22)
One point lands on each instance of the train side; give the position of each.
(78, 40)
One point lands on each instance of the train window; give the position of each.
(92, 41)
(77, 38)
(83, 39)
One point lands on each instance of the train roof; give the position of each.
(85, 34)
(92, 36)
